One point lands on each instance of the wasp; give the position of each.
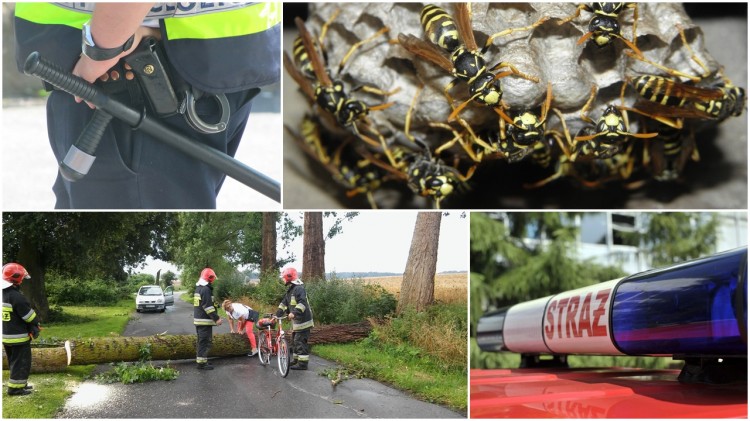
(454, 48)
(518, 137)
(330, 94)
(595, 173)
(356, 174)
(424, 172)
(668, 153)
(668, 99)
(604, 24)
(607, 136)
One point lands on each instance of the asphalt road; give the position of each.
(239, 387)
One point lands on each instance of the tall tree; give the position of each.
(268, 254)
(81, 245)
(313, 247)
(418, 283)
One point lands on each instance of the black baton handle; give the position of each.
(81, 154)
(37, 66)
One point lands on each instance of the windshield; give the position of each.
(150, 291)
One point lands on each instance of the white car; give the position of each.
(152, 297)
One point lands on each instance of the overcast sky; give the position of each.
(377, 241)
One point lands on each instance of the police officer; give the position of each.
(297, 307)
(205, 317)
(20, 324)
(214, 48)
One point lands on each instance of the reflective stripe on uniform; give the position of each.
(201, 360)
(16, 339)
(300, 326)
(17, 384)
(303, 358)
(49, 14)
(203, 322)
(252, 19)
(7, 310)
(210, 309)
(301, 307)
(282, 306)
(31, 315)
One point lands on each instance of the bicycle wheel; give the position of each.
(264, 349)
(283, 357)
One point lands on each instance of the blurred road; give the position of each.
(29, 168)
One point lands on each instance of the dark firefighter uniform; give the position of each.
(20, 323)
(295, 301)
(215, 48)
(205, 317)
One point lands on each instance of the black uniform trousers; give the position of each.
(19, 361)
(204, 343)
(132, 170)
(299, 345)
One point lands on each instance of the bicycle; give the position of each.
(272, 341)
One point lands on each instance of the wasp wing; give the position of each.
(302, 81)
(426, 50)
(462, 16)
(312, 53)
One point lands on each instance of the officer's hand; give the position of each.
(91, 70)
(35, 331)
(291, 316)
(218, 322)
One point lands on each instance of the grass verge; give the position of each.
(52, 389)
(423, 377)
(421, 353)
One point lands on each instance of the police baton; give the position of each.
(51, 73)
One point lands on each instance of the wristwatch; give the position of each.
(97, 53)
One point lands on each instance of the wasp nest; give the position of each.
(552, 53)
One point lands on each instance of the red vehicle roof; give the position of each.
(599, 393)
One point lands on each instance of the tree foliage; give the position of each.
(674, 237)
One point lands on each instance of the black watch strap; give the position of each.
(100, 54)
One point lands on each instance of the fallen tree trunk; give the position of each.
(45, 360)
(167, 347)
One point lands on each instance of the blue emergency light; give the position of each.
(693, 309)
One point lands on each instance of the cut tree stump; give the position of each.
(45, 360)
(168, 347)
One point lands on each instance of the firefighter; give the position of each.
(211, 48)
(20, 325)
(205, 317)
(297, 307)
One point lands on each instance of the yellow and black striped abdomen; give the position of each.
(658, 89)
(301, 59)
(440, 27)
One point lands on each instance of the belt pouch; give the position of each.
(149, 65)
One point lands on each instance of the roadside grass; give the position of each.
(421, 353)
(89, 322)
(51, 390)
(424, 377)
